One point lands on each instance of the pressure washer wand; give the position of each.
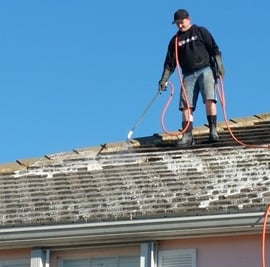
(142, 115)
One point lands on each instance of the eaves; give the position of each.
(119, 232)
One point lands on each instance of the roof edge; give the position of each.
(131, 231)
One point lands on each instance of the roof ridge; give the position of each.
(94, 152)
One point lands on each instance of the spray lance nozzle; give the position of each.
(130, 134)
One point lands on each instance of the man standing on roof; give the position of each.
(200, 60)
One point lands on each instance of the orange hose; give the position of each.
(263, 236)
(166, 106)
(171, 95)
(220, 90)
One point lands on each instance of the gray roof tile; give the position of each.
(141, 180)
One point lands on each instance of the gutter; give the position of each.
(130, 231)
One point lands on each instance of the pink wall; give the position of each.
(238, 251)
(234, 251)
(15, 253)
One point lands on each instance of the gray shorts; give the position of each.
(201, 81)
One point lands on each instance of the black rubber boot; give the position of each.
(187, 138)
(213, 135)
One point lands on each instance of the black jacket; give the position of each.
(196, 49)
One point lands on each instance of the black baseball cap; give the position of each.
(180, 14)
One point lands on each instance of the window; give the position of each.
(15, 263)
(177, 258)
(76, 263)
(102, 262)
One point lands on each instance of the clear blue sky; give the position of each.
(79, 73)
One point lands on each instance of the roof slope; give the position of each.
(124, 181)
